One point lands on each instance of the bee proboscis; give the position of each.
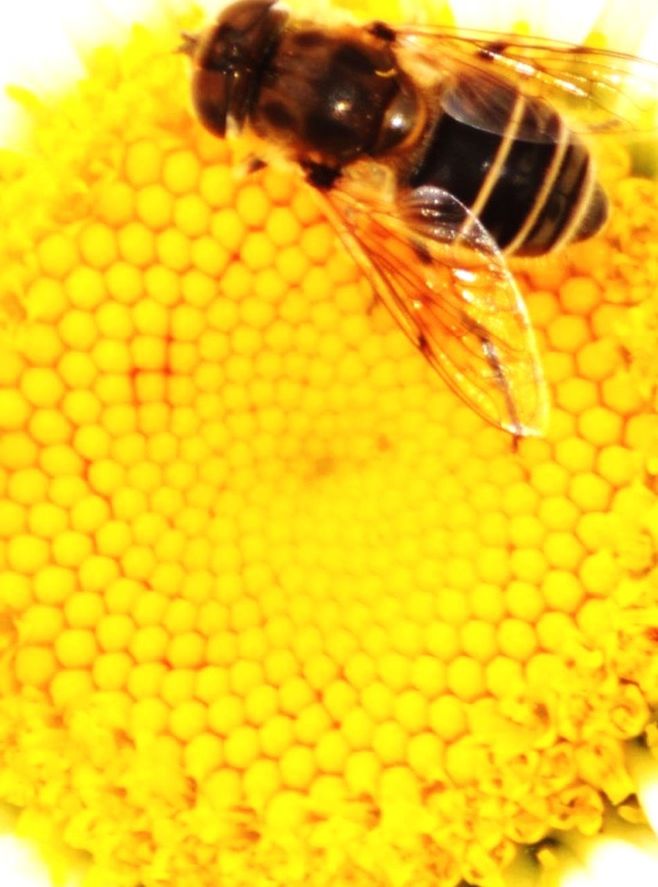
(437, 153)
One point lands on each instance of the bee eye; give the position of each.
(228, 59)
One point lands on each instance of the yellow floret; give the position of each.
(75, 647)
(35, 666)
(84, 609)
(114, 631)
(188, 720)
(71, 687)
(111, 671)
(14, 410)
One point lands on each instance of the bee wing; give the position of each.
(444, 280)
(598, 90)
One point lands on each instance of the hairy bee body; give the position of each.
(334, 97)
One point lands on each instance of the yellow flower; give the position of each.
(275, 607)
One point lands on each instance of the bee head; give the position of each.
(228, 58)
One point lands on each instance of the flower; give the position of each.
(276, 607)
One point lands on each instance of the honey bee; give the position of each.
(436, 153)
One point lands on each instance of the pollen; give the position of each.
(275, 606)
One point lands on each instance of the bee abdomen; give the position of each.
(515, 165)
(569, 204)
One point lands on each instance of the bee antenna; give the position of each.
(188, 43)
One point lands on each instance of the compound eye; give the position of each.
(210, 99)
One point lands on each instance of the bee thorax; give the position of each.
(334, 97)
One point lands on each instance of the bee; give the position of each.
(436, 153)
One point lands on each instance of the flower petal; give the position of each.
(20, 865)
(618, 862)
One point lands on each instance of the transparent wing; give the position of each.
(446, 283)
(598, 90)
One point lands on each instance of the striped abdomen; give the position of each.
(515, 164)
